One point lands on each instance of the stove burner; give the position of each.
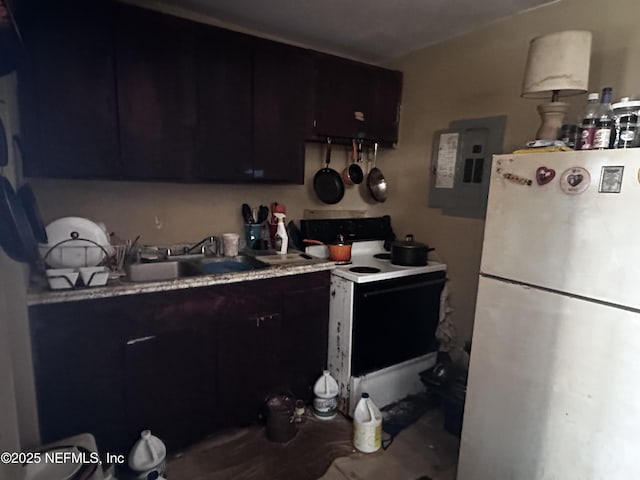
(364, 270)
(383, 256)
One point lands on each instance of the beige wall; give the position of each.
(474, 75)
(479, 75)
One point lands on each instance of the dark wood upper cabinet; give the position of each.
(115, 91)
(283, 77)
(224, 83)
(66, 89)
(157, 97)
(356, 100)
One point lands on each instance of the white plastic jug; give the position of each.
(367, 425)
(325, 403)
(148, 454)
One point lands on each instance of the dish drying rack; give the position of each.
(113, 257)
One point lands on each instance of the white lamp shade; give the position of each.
(558, 62)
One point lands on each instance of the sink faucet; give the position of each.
(205, 244)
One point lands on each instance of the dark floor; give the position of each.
(322, 450)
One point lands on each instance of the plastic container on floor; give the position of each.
(367, 426)
(147, 455)
(325, 403)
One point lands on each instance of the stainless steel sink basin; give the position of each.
(195, 265)
(240, 263)
(156, 271)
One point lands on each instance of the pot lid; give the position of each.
(409, 242)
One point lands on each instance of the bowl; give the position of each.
(62, 278)
(94, 276)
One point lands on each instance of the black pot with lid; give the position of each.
(409, 253)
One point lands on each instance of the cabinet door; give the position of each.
(282, 102)
(356, 100)
(248, 350)
(385, 112)
(77, 352)
(225, 105)
(155, 70)
(344, 93)
(305, 334)
(66, 90)
(169, 368)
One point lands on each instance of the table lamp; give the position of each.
(557, 65)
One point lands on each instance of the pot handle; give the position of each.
(312, 241)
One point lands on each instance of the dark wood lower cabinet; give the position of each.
(181, 363)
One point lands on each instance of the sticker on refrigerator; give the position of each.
(575, 180)
(516, 178)
(611, 179)
(544, 175)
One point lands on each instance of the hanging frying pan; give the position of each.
(327, 183)
(16, 236)
(353, 174)
(28, 200)
(376, 182)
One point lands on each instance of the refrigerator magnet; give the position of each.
(544, 175)
(611, 179)
(575, 180)
(517, 179)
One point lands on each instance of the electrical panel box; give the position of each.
(461, 165)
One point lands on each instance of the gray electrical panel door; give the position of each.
(461, 165)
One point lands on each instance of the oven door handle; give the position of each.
(412, 286)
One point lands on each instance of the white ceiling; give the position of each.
(368, 30)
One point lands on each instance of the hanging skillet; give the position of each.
(16, 236)
(28, 200)
(327, 183)
(376, 182)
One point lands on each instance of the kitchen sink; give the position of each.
(195, 265)
(239, 263)
(156, 271)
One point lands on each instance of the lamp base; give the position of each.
(552, 115)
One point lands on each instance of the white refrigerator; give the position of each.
(554, 377)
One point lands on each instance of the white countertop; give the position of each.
(43, 295)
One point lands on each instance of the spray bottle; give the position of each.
(281, 238)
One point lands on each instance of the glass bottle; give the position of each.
(604, 122)
(588, 123)
(625, 116)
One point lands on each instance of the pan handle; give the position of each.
(327, 159)
(314, 242)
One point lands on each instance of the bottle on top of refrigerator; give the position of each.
(604, 122)
(625, 115)
(325, 402)
(367, 425)
(588, 122)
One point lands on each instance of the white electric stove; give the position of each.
(382, 323)
(370, 262)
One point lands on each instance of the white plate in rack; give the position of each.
(75, 242)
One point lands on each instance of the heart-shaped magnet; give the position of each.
(544, 175)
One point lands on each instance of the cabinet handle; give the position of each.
(261, 319)
(428, 283)
(140, 339)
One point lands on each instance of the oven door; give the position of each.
(395, 320)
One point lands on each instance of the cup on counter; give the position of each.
(252, 235)
(230, 244)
